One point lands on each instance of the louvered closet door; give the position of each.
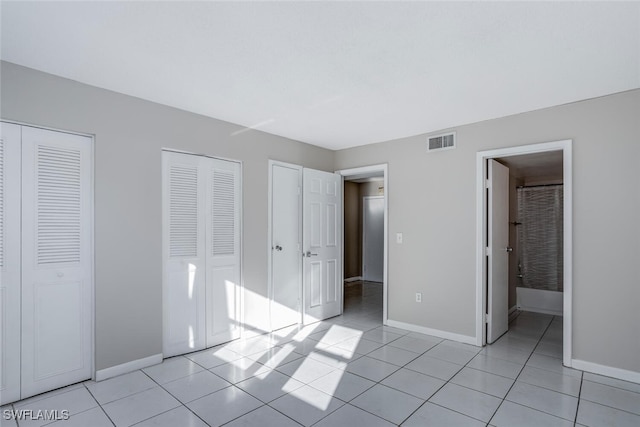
(56, 259)
(183, 253)
(223, 251)
(9, 262)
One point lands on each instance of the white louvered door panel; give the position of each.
(10, 136)
(183, 253)
(56, 259)
(223, 251)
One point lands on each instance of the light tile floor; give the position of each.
(353, 371)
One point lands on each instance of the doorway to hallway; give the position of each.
(365, 240)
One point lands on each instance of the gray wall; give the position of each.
(129, 135)
(352, 237)
(437, 257)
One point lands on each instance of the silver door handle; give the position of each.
(508, 249)
(309, 254)
(278, 248)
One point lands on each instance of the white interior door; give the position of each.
(10, 323)
(373, 238)
(322, 265)
(223, 285)
(183, 254)
(286, 261)
(56, 260)
(498, 240)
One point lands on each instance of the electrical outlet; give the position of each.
(399, 238)
(418, 296)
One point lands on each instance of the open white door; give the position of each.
(373, 238)
(498, 252)
(10, 140)
(286, 262)
(56, 260)
(321, 244)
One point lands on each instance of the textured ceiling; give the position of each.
(335, 74)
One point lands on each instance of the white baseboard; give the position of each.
(513, 312)
(353, 279)
(608, 371)
(435, 332)
(124, 368)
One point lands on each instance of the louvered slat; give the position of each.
(58, 215)
(183, 211)
(223, 218)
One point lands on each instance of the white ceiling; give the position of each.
(335, 74)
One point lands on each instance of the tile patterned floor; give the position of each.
(352, 371)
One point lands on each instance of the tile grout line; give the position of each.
(369, 379)
(100, 405)
(178, 400)
(575, 418)
(520, 373)
(449, 381)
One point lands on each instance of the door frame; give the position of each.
(364, 200)
(366, 170)
(270, 290)
(481, 235)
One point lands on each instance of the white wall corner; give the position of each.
(608, 371)
(125, 368)
(434, 332)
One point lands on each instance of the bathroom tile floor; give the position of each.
(353, 371)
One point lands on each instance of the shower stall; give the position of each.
(539, 229)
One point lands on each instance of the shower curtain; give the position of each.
(540, 218)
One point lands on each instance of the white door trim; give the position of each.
(481, 223)
(364, 170)
(270, 289)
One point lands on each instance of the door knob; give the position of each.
(508, 249)
(309, 254)
(278, 248)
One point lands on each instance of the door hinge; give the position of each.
(487, 183)
(486, 318)
(487, 251)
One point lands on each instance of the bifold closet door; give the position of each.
(201, 250)
(10, 143)
(223, 251)
(56, 260)
(183, 253)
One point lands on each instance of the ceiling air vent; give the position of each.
(442, 142)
